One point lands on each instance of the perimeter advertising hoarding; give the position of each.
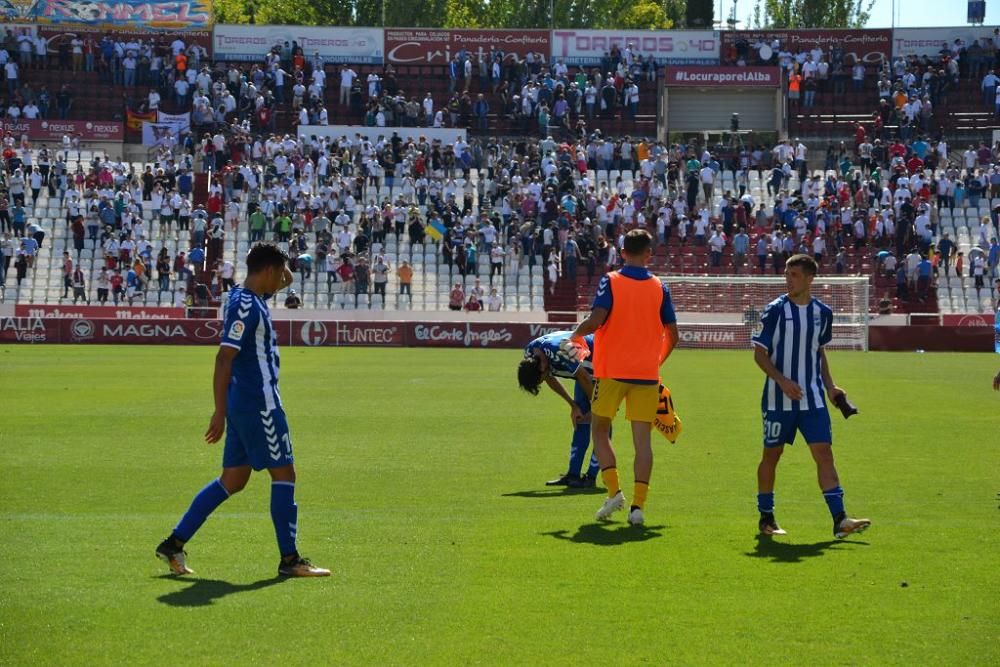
(870, 46)
(53, 130)
(677, 47)
(930, 41)
(334, 45)
(417, 46)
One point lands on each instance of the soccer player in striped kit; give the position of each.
(248, 411)
(543, 362)
(789, 348)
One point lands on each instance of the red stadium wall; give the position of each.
(424, 334)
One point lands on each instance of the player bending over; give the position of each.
(543, 361)
(248, 410)
(790, 351)
(634, 329)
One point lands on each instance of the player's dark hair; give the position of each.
(636, 242)
(804, 262)
(529, 374)
(265, 255)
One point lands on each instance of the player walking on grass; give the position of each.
(248, 410)
(790, 350)
(543, 361)
(635, 329)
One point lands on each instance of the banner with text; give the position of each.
(53, 130)
(869, 46)
(677, 47)
(63, 33)
(444, 135)
(133, 330)
(101, 312)
(730, 77)
(930, 41)
(183, 15)
(417, 46)
(334, 45)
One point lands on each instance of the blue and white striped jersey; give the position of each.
(793, 336)
(558, 364)
(247, 328)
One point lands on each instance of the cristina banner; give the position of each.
(418, 46)
(870, 46)
(669, 47)
(183, 15)
(334, 45)
(733, 77)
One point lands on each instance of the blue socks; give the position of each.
(203, 504)
(765, 503)
(835, 501)
(285, 515)
(578, 448)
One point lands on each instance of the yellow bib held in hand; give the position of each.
(667, 422)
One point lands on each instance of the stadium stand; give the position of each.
(555, 200)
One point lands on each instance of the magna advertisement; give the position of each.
(676, 47)
(930, 41)
(870, 46)
(334, 45)
(415, 46)
(30, 329)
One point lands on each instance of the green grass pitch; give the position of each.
(421, 485)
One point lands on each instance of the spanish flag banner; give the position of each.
(667, 422)
(134, 121)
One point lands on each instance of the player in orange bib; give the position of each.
(635, 329)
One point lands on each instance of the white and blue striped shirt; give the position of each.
(793, 336)
(248, 328)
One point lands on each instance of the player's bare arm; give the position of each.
(791, 389)
(220, 389)
(591, 324)
(832, 390)
(575, 413)
(670, 338)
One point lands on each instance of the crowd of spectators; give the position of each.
(320, 197)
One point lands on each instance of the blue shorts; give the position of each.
(259, 439)
(780, 427)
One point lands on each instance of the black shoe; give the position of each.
(565, 480)
(174, 556)
(300, 567)
(589, 481)
(576, 482)
(768, 526)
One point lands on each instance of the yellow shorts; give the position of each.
(641, 400)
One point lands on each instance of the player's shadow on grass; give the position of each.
(607, 535)
(203, 592)
(554, 492)
(785, 552)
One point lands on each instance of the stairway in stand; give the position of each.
(560, 303)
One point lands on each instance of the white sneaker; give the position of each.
(610, 506)
(636, 518)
